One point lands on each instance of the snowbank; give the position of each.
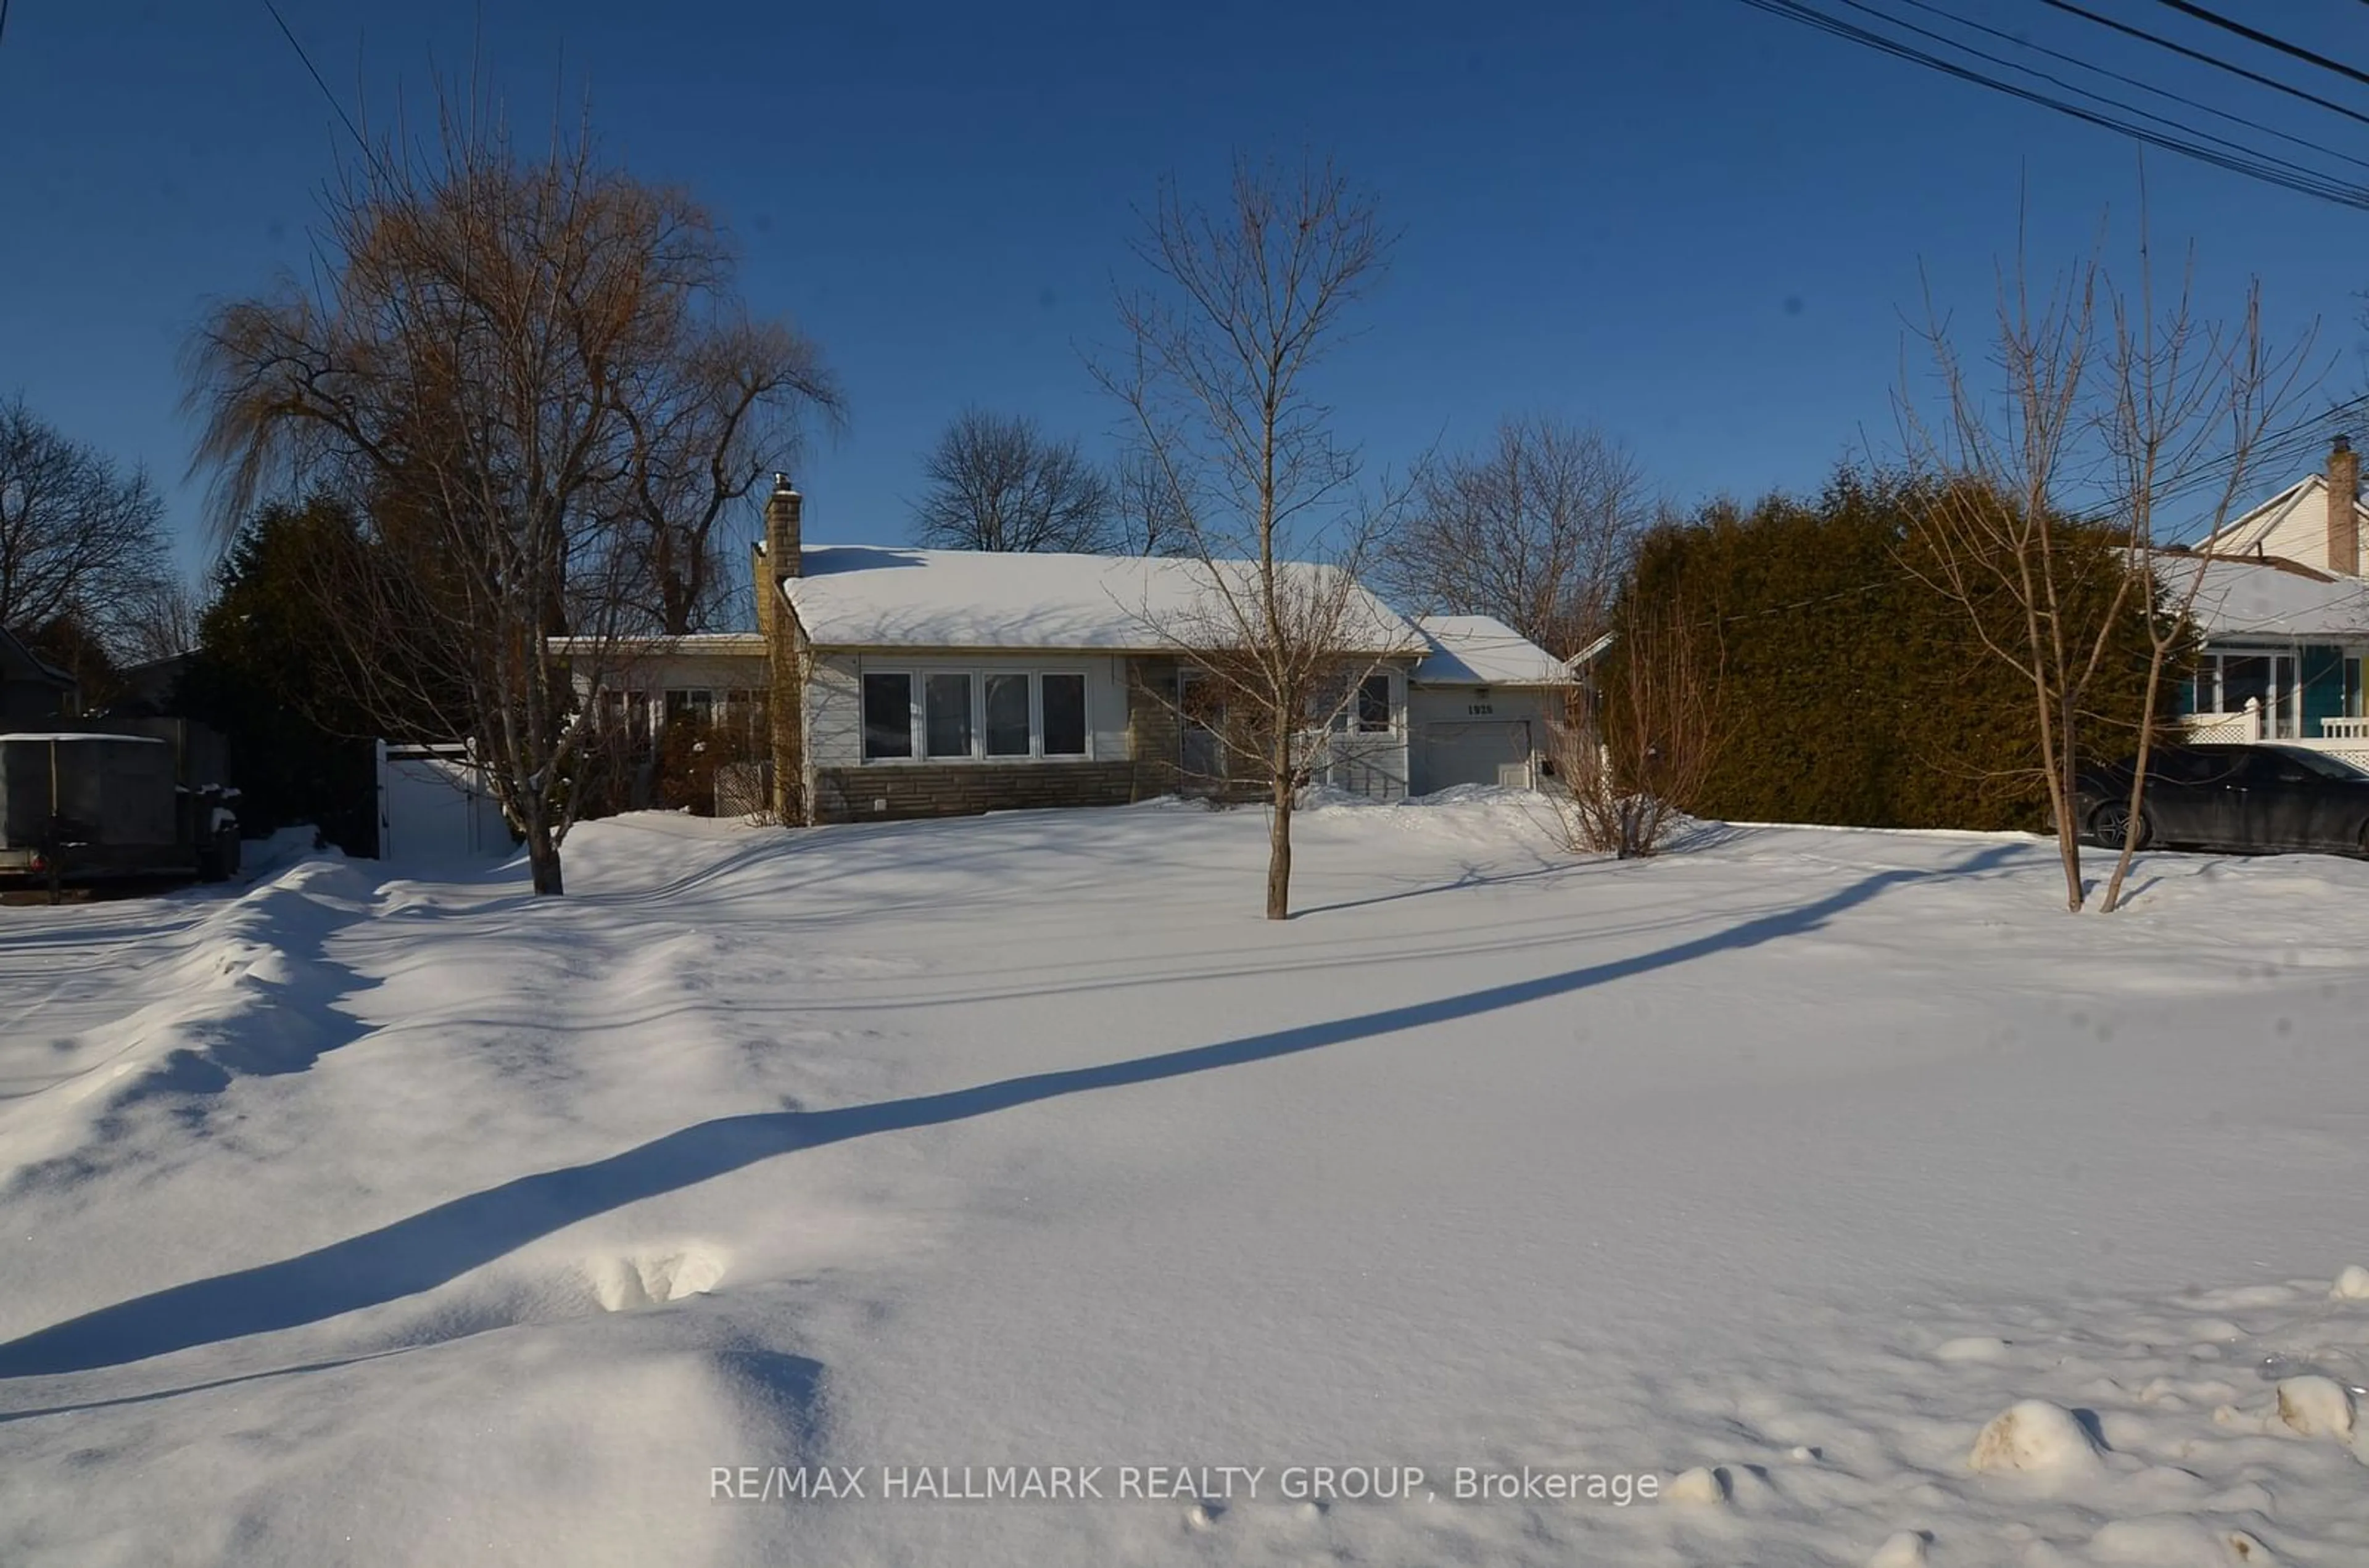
(422, 1221)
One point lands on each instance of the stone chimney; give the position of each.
(2343, 509)
(781, 512)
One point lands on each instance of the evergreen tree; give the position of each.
(1851, 692)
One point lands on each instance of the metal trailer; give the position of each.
(77, 806)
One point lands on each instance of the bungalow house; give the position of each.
(34, 693)
(897, 683)
(2283, 611)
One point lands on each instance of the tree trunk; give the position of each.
(2060, 787)
(542, 857)
(2113, 900)
(1278, 851)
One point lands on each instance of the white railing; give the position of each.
(2344, 729)
(1374, 765)
(2243, 725)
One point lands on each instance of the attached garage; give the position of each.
(1477, 752)
(1481, 706)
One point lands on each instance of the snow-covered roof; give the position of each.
(2269, 598)
(888, 596)
(2291, 525)
(1481, 650)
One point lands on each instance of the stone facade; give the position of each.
(883, 793)
(777, 559)
(1152, 735)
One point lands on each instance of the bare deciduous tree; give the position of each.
(1638, 760)
(161, 622)
(80, 540)
(2100, 401)
(1534, 530)
(996, 482)
(2187, 403)
(497, 347)
(714, 412)
(1997, 538)
(1147, 517)
(1219, 373)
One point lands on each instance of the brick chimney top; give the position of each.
(2344, 507)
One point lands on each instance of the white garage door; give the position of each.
(1489, 751)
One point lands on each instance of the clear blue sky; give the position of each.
(1695, 225)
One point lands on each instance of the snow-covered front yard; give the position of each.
(423, 1222)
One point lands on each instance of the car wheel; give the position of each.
(2110, 821)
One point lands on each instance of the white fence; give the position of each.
(2347, 739)
(2243, 727)
(433, 805)
(1372, 765)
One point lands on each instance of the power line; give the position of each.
(351, 128)
(2059, 81)
(2213, 19)
(2146, 87)
(2215, 62)
(2259, 167)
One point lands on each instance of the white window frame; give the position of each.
(976, 688)
(916, 742)
(917, 678)
(1037, 717)
(1346, 722)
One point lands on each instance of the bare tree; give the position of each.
(80, 541)
(1534, 530)
(161, 622)
(2099, 400)
(1637, 760)
(1997, 538)
(1146, 516)
(1220, 375)
(722, 406)
(2186, 406)
(495, 348)
(996, 482)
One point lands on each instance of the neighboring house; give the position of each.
(941, 682)
(1482, 704)
(2284, 613)
(34, 693)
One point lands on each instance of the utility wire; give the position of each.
(1950, 43)
(2325, 187)
(351, 128)
(2146, 87)
(2213, 19)
(2215, 61)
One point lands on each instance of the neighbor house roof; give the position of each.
(2276, 599)
(19, 662)
(865, 596)
(1481, 650)
(2292, 525)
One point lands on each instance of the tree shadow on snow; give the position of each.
(439, 1244)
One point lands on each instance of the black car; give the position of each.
(2233, 797)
